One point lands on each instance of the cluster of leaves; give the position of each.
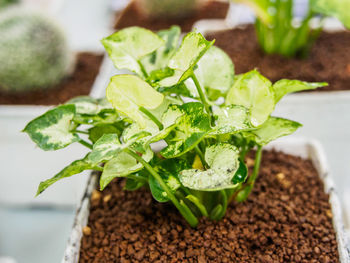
(279, 32)
(186, 98)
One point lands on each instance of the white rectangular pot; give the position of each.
(296, 146)
(24, 166)
(325, 115)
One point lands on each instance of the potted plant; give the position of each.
(165, 128)
(158, 14)
(37, 70)
(312, 48)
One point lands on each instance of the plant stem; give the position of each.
(85, 143)
(144, 72)
(181, 206)
(152, 117)
(201, 95)
(201, 156)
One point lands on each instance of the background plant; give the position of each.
(34, 52)
(173, 96)
(279, 32)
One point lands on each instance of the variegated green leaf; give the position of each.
(223, 162)
(191, 128)
(89, 105)
(231, 119)
(193, 47)
(285, 86)
(272, 129)
(53, 129)
(215, 73)
(337, 8)
(253, 91)
(128, 93)
(122, 165)
(96, 132)
(75, 167)
(168, 171)
(159, 59)
(127, 46)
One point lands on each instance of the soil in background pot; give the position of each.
(131, 17)
(287, 218)
(328, 60)
(79, 83)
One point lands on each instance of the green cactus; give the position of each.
(33, 51)
(167, 8)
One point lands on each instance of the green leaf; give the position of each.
(106, 116)
(215, 73)
(159, 59)
(99, 130)
(241, 173)
(128, 93)
(272, 129)
(133, 184)
(168, 171)
(75, 167)
(89, 105)
(231, 119)
(285, 86)
(190, 128)
(223, 161)
(253, 91)
(128, 46)
(52, 130)
(337, 8)
(193, 47)
(122, 165)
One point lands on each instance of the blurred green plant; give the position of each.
(279, 32)
(202, 167)
(6, 3)
(34, 52)
(169, 9)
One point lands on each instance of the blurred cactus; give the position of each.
(167, 8)
(33, 51)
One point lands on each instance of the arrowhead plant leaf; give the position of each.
(337, 8)
(52, 130)
(128, 46)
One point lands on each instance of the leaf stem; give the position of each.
(152, 117)
(85, 143)
(181, 206)
(144, 72)
(201, 156)
(201, 94)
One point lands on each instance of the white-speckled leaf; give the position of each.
(190, 129)
(193, 47)
(52, 130)
(223, 161)
(89, 105)
(253, 91)
(272, 129)
(159, 59)
(215, 72)
(127, 93)
(75, 167)
(122, 165)
(231, 119)
(127, 46)
(285, 86)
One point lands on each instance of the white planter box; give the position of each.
(24, 166)
(300, 147)
(324, 115)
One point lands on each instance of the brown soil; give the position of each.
(287, 218)
(79, 83)
(131, 17)
(328, 60)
